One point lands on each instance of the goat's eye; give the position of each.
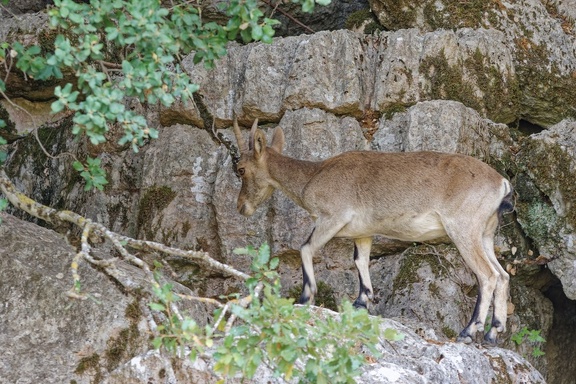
(241, 171)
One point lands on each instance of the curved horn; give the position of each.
(252, 132)
(239, 138)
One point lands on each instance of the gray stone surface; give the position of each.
(538, 37)
(448, 89)
(547, 203)
(45, 335)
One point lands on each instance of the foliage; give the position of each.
(295, 342)
(533, 336)
(132, 48)
(175, 332)
(92, 173)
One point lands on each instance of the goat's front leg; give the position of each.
(325, 229)
(309, 287)
(362, 248)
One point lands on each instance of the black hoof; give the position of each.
(465, 337)
(489, 341)
(360, 305)
(304, 300)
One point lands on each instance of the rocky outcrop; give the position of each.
(46, 337)
(537, 35)
(422, 87)
(365, 74)
(547, 192)
(104, 338)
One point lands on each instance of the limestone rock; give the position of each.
(415, 359)
(415, 87)
(331, 17)
(17, 7)
(445, 126)
(47, 337)
(547, 198)
(420, 360)
(366, 73)
(541, 45)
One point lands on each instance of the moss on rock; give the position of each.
(547, 94)
(325, 296)
(8, 132)
(365, 19)
(155, 199)
(414, 259)
(459, 14)
(462, 83)
(551, 168)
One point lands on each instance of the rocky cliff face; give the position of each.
(448, 76)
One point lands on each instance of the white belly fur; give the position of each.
(407, 227)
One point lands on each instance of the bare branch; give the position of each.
(307, 28)
(120, 242)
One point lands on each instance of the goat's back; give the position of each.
(396, 183)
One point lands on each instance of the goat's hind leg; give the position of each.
(501, 291)
(362, 248)
(470, 245)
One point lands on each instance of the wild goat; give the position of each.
(413, 196)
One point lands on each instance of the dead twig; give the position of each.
(120, 242)
(307, 28)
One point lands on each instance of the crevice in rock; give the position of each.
(561, 343)
(527, 128)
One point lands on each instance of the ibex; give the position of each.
(411, 196)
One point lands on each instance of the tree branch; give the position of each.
(120, 242)
(276, 8)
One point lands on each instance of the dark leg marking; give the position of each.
(309, 237)
(466, 335)
(305, 283)
(361, 301)
(304, 298)
(476, 312)
(490, 338)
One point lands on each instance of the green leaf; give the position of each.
(274, 263)
(257, 32)
(157, 342)
(308, 6)
(57, 106)
(78, 166)
(391, 334)
(289, 354)
(157, 307)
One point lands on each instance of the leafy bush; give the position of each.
(532, 336)
(125, 48)
(295, 342)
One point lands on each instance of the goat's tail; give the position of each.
(507, 203)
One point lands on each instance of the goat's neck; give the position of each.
(291, 175)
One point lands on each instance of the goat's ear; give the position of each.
(259, 139)
(278, 140)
